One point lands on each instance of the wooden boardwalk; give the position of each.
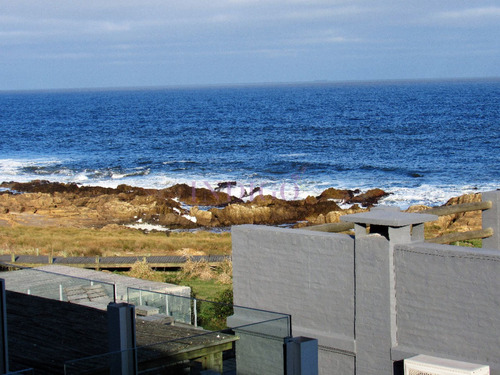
(119, 262)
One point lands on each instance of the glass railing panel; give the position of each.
(252, 345)
(178, 307)
(201, 313)
(219, 351)
(259, 334)
(60, 287)
(259, 349)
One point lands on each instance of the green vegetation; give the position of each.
(211, 286)
(213, 315)
(108, 242)
(478, 242)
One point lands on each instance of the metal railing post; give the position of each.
(122, 339)
(4, 352)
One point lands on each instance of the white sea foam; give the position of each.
(24, 170)
(81, 177)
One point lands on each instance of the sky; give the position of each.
(61, 44)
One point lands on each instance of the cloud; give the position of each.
(472, 13)
(324, 37)
(480, 16)
(315, 13)
(195, 36)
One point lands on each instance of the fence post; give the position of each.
(4, 353)
(121, 337)
(195, 308)
(491, 219)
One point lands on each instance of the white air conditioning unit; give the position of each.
(427, 365)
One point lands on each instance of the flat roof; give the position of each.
(20, 280)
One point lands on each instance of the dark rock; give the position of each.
(270, 210)
(254, 191)
(198, 196)
(225, 185)
(368, 199)
(332, 193)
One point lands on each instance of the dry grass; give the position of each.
(225, 275)
(200, 270)
(222, 274)
(108, 242)
(142, 270)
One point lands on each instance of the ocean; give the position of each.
(423, 142)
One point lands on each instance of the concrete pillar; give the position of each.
(491, 219)
(4, 353)
(375, 299)
(121, 337)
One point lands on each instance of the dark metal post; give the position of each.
(121, 336)
(4, 353)
(301, 356)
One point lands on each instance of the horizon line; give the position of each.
(254, 84)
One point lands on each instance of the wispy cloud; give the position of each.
(240, 36)
(322, 12)
(467, 17)
(323, 37)
(471, 13)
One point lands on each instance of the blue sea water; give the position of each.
(422, 141)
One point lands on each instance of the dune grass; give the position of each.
(108, 242)
(206, 282)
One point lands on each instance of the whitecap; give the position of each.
(23, 170)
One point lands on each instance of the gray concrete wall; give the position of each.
(448, 302)
(375, 300)
(309, 275)
(373, 306)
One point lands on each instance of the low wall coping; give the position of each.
(390, 218)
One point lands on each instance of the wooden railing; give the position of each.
(439, 211)
(457, 209)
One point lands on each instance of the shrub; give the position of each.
(213, 315)
(142, 270)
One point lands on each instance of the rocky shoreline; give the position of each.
(178, 207)
(182, 207)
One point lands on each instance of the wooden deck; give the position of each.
(44, 334)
